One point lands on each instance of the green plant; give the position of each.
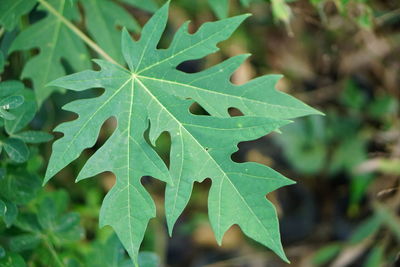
(149, 94)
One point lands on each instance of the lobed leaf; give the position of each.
(153, 94)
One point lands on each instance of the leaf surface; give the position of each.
(153, 94)
(12, 10)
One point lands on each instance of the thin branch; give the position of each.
(78, 32)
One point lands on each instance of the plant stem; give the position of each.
(78, 32)
(53, 252)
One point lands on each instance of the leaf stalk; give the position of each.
(78, 32)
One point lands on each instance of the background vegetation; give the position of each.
(340, 56)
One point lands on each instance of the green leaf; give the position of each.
(19, 186)
(62, 227)
(102, 19)
(12, 260)
(154, 92)
(12, 10)
(16, 150)
(28, 222)
(6, 115)
(67, 228)
(3, 208)
(281, 10)
(11, 102)
(326, 254)
(367, 228)
(2, 252)
(55, 42)
(10, 212)
(109, 253)
(376, 257)
(305, 139)
(23, 114)
(34, 137)
(23, 242)
(10, 87)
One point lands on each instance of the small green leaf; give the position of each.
(33, 137)
(326, 254)
(367, 228)
(62, 227)
(23, 114)
(12, 260)
(3, 208)
(11, 213)
(47, 213)
(28, 222)
(67, 227)
(2, 252)
(23, 242)
(6, 115)
(281, 10)
(376, 257)
(19, 186)
(109, 253)
(11, 102)
(10, 87)
(16, 150)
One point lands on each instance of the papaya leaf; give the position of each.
(56, 43)
(153, 94)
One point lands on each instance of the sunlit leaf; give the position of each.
(153, 93)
